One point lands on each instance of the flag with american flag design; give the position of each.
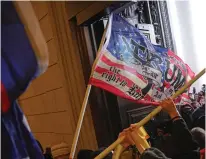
(131, 67)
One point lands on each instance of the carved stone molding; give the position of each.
(152, 12)
(71, 66)
(167, 34)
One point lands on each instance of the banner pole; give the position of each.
(79, 124)
(85, 101)
(180, 91)
(149, 116)
(118, 151)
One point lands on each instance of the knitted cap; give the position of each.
(60, 150)
(85, 154)
(153, 153)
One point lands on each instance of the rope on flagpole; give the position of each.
(85, 101)
(149, 116)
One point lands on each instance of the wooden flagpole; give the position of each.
(118, 151)
(85, 101)
(149, 116)
(179, 92)
(36, 38)
(80, 120)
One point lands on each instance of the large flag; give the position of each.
(131, 67)
(19, 66)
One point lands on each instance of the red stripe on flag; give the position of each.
(101, 70)
(130, 83)
(170, 72)
(108, 87)
(180, 63)
(5, 99)
(112, 89)
(124, 67)
(190, 73)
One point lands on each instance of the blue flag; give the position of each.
(19, 65)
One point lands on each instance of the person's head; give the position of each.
(201, 93)
(186, 112)
(198, 135)
(153, 153)
(60, 151)
(196, 97)
(190, 95)
(85, 154)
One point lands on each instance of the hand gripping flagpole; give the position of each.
(149, 116)
(85, 101)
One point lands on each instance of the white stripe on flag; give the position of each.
(125, 73)
(137, 68)
(128, 75)
(123, 89)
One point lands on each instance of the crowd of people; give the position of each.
(197, 99)
(183, 142)
(185, 136)
(194, 112)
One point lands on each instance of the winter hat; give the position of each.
(153, 153)
(85, 154)
(60, 150)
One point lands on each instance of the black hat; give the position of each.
(85, 154)
(153, 153)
